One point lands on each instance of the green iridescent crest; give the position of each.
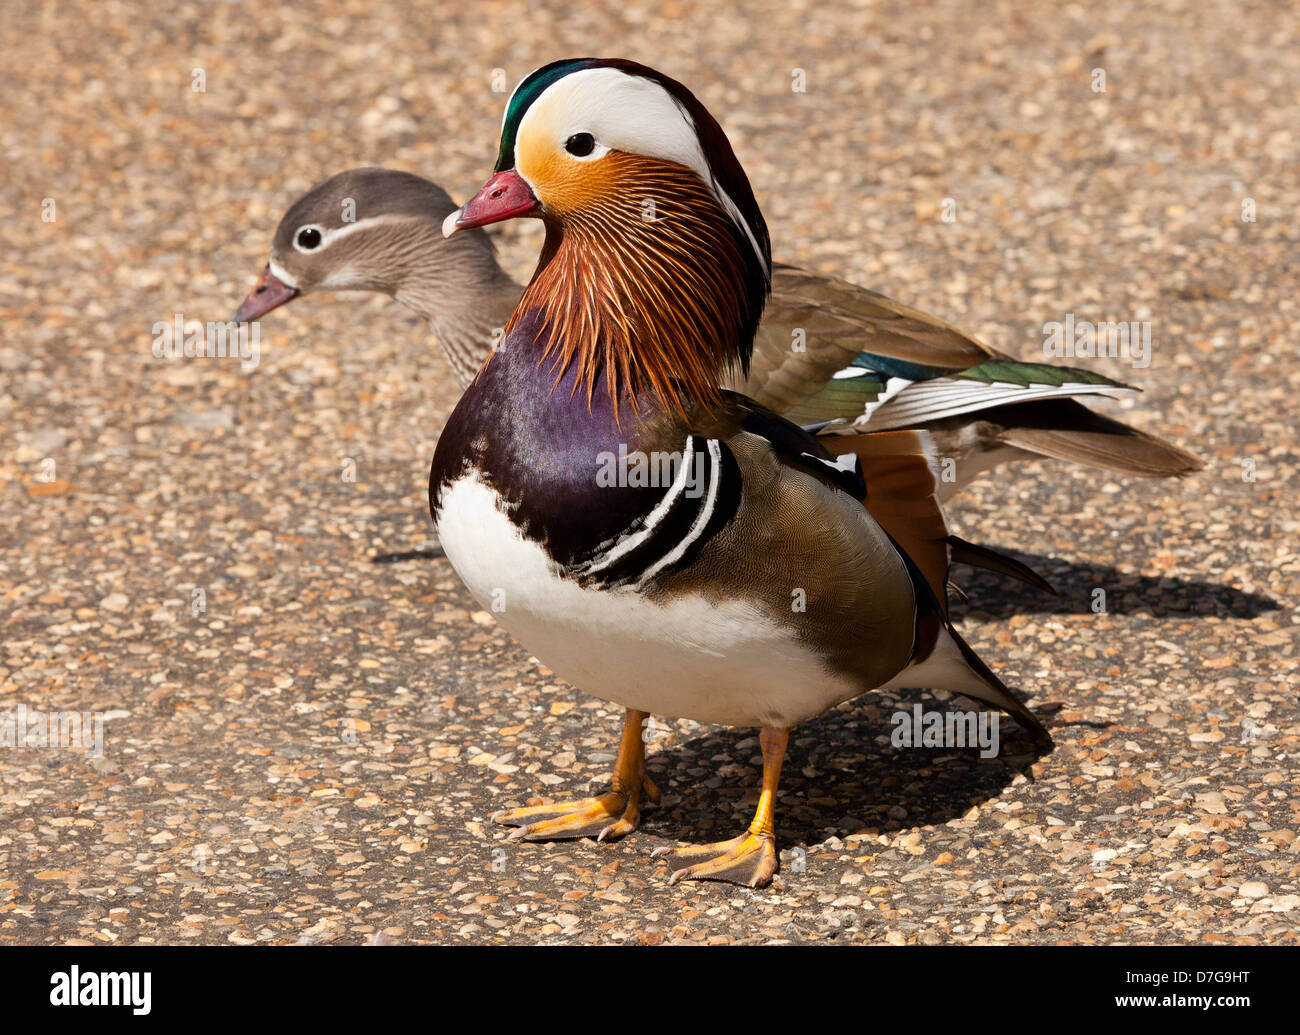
(522, 99)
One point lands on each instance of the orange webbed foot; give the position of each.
(608, 817)
(749, 859)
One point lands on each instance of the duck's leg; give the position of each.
(750, 858)
(612, 815)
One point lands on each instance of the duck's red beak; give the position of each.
(504, 196)
(268, 293)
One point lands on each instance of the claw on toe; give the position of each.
(617, 829)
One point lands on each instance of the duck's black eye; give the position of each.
(580, 144)
(308, 238)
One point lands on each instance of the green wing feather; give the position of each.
(1014, 372)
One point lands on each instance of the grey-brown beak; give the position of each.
(268, 293)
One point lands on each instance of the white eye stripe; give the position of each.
(328, 237)
(738, 217)
(282, 275)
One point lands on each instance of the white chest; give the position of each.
(723, 662)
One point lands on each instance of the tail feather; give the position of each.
(998, 693)
(1067, 430)
(952, 665)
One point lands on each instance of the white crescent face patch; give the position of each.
(623, 113)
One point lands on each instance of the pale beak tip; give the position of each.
(451, 224)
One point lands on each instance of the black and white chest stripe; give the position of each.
(703, 496)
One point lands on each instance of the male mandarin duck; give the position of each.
(828, 353)
(747, 587)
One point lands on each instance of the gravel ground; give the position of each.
(313, 755)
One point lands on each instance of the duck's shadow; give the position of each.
(839, 778)
(1078, 583)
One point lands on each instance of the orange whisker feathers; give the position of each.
(645, 287)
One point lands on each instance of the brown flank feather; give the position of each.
(657, 305)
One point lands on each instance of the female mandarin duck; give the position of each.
(827, 353)
(748, 586)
